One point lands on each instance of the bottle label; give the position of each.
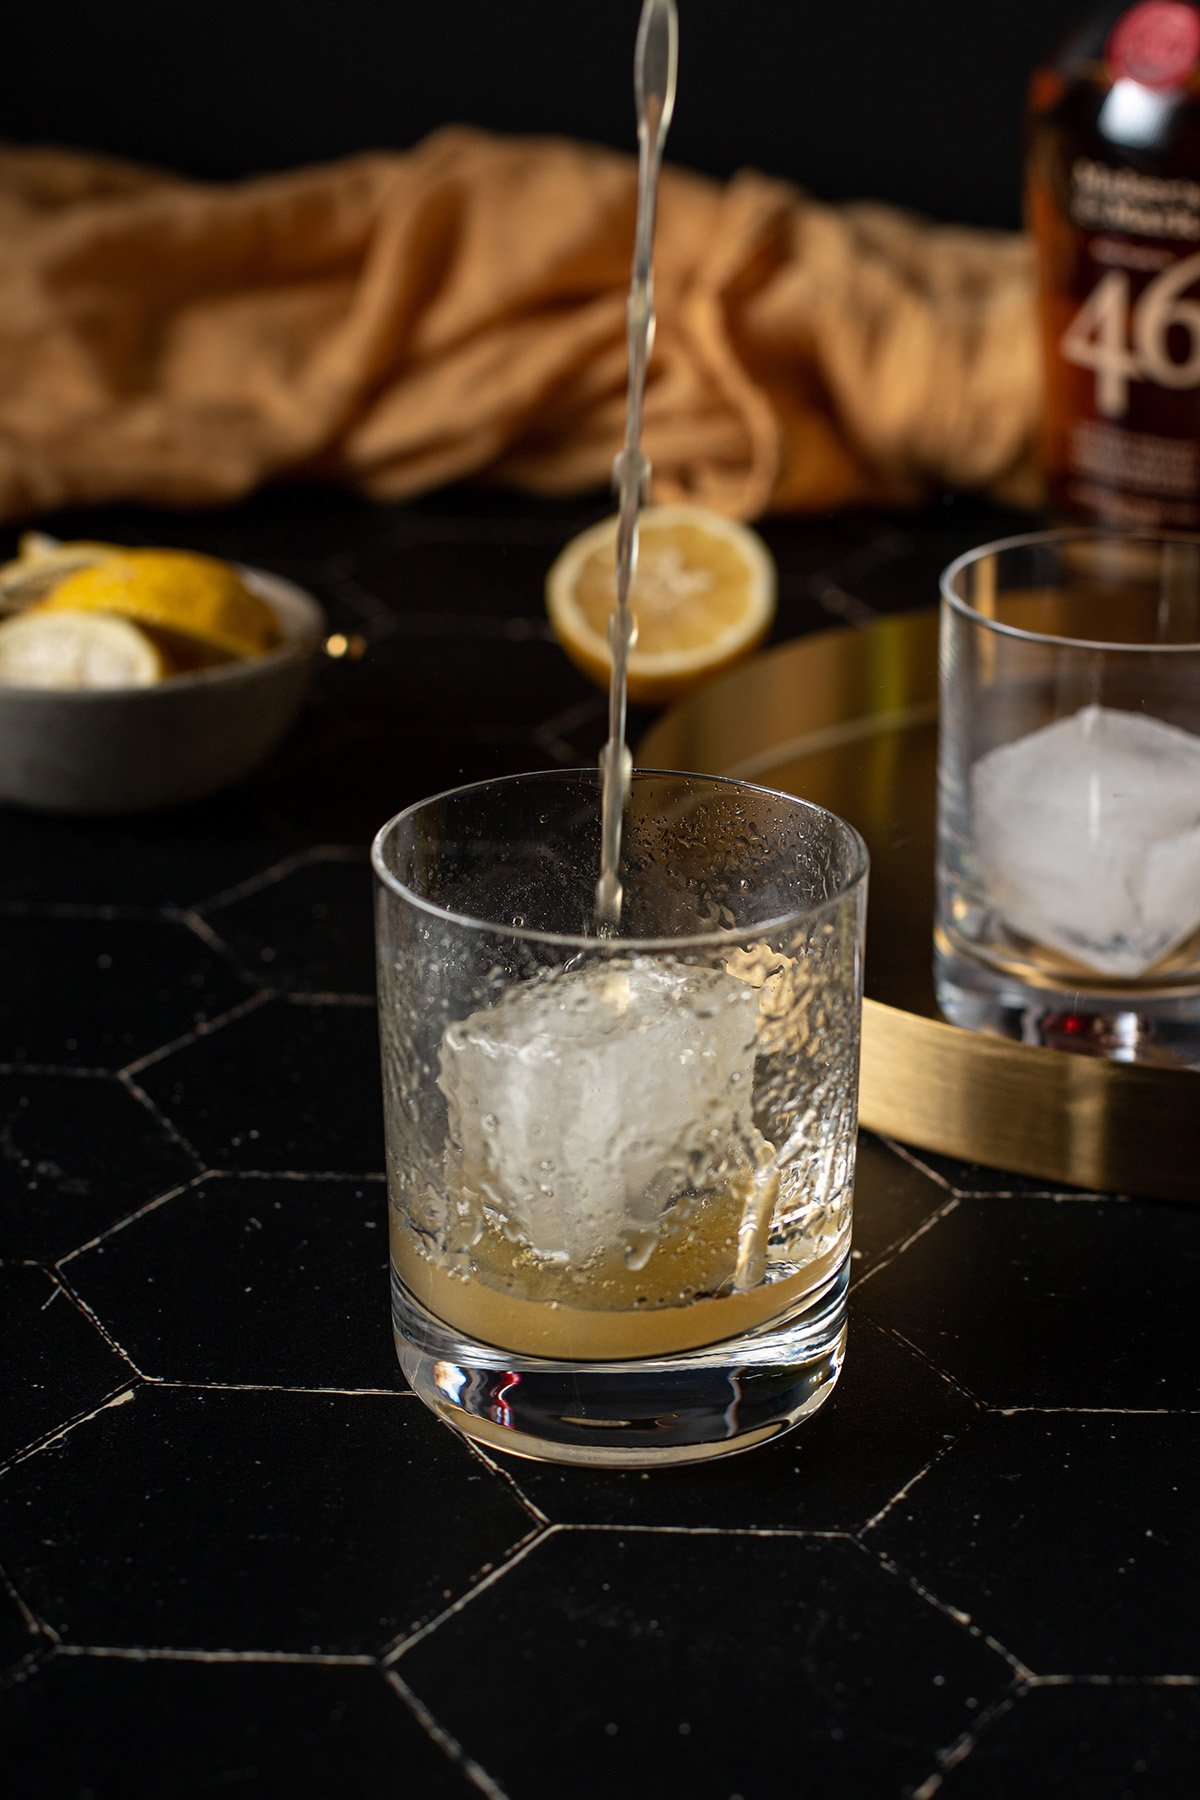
(1104, 198)
(1156, 44)
(1120, 263)
(1127, 336)
(1128, 349)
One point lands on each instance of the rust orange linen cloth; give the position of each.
(399, 320)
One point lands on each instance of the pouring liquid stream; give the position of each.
(655, 65)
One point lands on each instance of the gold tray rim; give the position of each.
(1085, 1121)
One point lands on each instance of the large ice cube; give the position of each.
(583, 1103)
(1087, 837)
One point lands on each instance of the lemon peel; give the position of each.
(177, 591)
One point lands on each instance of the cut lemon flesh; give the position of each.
(176, 591)
(76, 650)
(703, 596)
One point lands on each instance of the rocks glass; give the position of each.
(1069, 793)
(620, 1167)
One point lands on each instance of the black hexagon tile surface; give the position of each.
(221, 1520)
(829, 1684)
(352, 783)
(1042, 1302)
(451, 577)
(251, 1280)
(76, 1156)
(1134, 1741)
(237, 1556)
(308, 931)
(1066, 1535)
(283, 1086)
(168, 859)
(101, 992)
(235, 1727)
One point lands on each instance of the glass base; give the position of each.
(1122, 1024)
(653, 1412)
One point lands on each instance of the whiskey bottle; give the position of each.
(1113, 205)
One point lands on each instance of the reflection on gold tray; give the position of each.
(849, 719)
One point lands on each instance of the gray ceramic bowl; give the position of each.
(124, 750)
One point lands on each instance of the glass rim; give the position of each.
(1060, 535)
(701, 940)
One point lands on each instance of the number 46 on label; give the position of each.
(1097, 336)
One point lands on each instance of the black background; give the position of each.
(917, 103)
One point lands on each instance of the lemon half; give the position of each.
(175, 591)
(703, 596)
(76, 650)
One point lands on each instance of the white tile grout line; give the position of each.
(127, 1390)
(181, 1187)
(496, 628)
(1122, 1681)
(36, 1627)
(82, 909)
(882, 547)
(121, 1398)
(376, 618)
(340, 566)
(903, 1493)
(200, 927)
(136, 1092)
(22, 1069)
(838, 602)
(403, 1645)
(138, 1653)
(293, 998)
(535, 1512)
(1066, 1197)
(370, 1175)
(204, 1029)
(1059, 1196)
(87, 1312)
(913, 1158)
(902, 1244)
(279, 871)
(277, 1387)
(966, 1741)
(733, 1531)
(477, 1776)
(580, 712)
(951, 1381)
(408, 1641)
(953, 1613)
(914, 1162)
(297, 1176)
(1100, 1412)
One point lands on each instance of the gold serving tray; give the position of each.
(849, 719)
